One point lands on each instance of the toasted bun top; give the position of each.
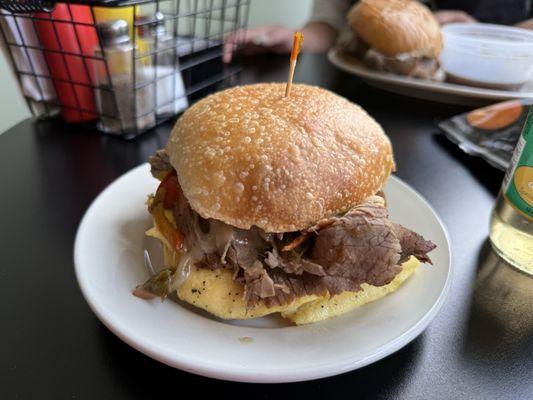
(394, 27)
(249, 156)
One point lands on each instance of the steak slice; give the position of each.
(159, 163)
(413, 244)
(360, 246)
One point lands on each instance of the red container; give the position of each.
(68, 33)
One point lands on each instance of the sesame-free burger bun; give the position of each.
(395, 27)
(250, 156)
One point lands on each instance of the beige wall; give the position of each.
(292, 13)
(13, 108)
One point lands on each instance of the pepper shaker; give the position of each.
(124, 95)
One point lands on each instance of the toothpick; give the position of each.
(296, 44)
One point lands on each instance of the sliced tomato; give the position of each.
(171, 191)
(171, 234)
(168, 192)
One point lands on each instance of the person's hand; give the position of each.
(528, 24)
(452, 16)
(265, 39)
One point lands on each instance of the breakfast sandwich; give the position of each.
(273, 204)
(398, 36)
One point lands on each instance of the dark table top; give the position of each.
(480, 346)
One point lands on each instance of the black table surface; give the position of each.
(480, 346)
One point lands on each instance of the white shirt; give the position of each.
(331, 12)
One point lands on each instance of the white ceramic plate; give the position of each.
(442, 92)
(108, 256)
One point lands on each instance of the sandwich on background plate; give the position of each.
(273, 204)
(398, 36)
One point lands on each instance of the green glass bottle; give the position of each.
(511, 227)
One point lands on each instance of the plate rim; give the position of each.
(472, 92)
(247, 373)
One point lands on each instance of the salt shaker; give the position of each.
(161, 47)
(124, 95)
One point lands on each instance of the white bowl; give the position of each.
(486, 55)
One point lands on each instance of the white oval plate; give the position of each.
(442, 92)
(108, 255)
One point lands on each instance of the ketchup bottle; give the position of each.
(68, 44)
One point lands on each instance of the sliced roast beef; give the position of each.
(159, 163)
(360, 246)
(301, 285)
(292, 263)
(289, 287)
(413, 244)
(258, 283)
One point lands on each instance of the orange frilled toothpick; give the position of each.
(296, 45)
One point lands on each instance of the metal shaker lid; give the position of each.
(151, 25)
(114, 32)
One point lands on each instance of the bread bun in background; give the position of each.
(394, 27)
(250, 156)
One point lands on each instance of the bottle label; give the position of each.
(518, 182)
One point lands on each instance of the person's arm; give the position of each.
(527, 24)
(318, 37)
(320, 33)
(453, 16)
